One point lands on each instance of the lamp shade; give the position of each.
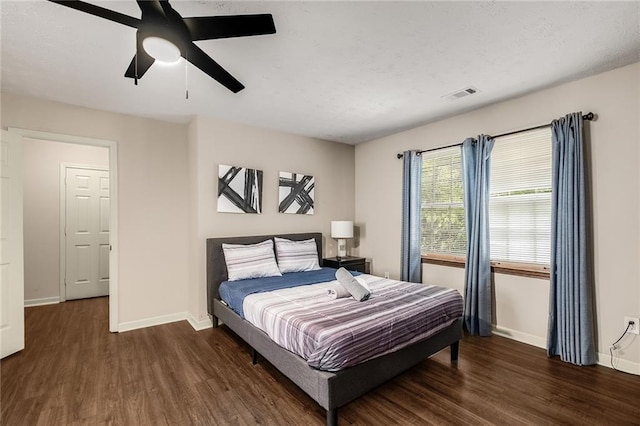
(342, 229)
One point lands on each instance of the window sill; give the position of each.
(508, 268)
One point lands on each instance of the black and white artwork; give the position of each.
(239, 190)
(296, 193)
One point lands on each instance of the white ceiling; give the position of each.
(341, 71)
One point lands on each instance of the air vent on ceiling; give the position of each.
(467, 91)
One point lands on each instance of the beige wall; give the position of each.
(213, 142)
(511, 293)
(152, 198)
(521, 304)
(167, 183)
(41, 207)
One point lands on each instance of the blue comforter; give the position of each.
(234, 292)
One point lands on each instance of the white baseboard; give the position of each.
(520, 336)
(620, 364)
(41, 302)
(166, 319)
(199, 324)
(150, 322)
(602, 359)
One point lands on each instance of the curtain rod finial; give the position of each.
(399, 156)
(589, 116)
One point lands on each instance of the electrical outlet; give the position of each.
(635, 328)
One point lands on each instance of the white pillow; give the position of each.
(297, 256)
(250, 261)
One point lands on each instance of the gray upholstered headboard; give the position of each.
(217, 268)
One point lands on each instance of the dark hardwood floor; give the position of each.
(74, 372)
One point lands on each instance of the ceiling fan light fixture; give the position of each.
(163, 36)
(161, 49)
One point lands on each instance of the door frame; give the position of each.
(63, 222)
(112, 146)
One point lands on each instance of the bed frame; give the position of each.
(330, 390)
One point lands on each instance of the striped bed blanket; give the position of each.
(333, 334)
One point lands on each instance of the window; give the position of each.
(442, 203)
(520, 203)
(519, 206)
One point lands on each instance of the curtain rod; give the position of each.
(588, 116)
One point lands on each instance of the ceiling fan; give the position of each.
(166, 36)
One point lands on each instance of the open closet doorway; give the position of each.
(70, 219)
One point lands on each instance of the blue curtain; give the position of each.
(571, 330)
(411, 207)
(476, 155)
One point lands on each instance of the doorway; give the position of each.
(111, 248)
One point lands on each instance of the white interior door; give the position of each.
(11, 246)
(87, 233)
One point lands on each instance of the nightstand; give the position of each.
(348, 262)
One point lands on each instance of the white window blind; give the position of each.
(442, 203)
(520, 202)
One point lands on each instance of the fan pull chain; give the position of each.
(186, 76)
(135, 71)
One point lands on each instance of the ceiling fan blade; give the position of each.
(151, 8)
(144, 62)
(210, 67)
(212, 27)
(170, 11)
(101, 12)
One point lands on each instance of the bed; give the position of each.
(330, 389)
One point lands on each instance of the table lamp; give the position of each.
(340, 230)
